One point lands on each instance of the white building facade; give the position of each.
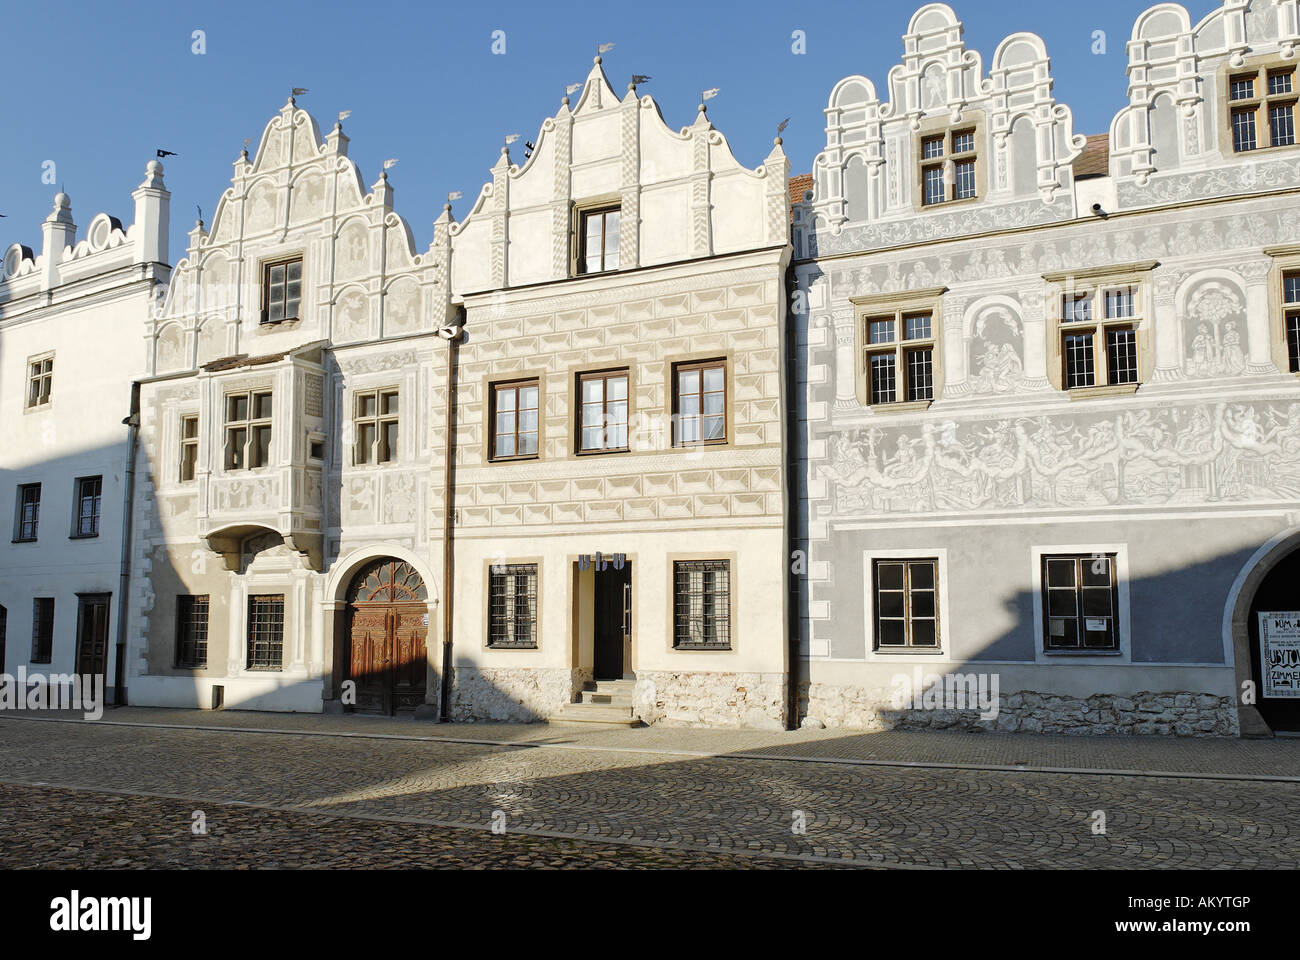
(68, 317)
(1048, 405)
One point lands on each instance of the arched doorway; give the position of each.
(388, 626)
(1277, 597)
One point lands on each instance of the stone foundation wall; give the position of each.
(518, 695)
(711, 699)
(1159, 714)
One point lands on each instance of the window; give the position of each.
(248, 430)
(514, 420)
(1080, 602)
(89, 491)
(29, 511)
(4, 634)
(1261, 109)
(948, 167)
(376, 426)
(1291, 314)
(1099, 351)
(603, 411)
(702, 604)
(906, 604)
(40, 380)
(700, 403)
(42, 629)
(598, 240)
(281, 290)
(512, 605)
(189, 447)
(265, 632)
(899, 357)
(192, 632)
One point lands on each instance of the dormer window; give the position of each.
(598, 239)
(1261, 108)
(281, 290)
(948, 166)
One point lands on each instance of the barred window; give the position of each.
(702, 604)
(40, 380)
(29, 512)
(948, 167)
(42, 629)
(281, 290)
(1262, 96)
(1100, 350)
(192, 632)
(898, 359)
(1080, 602)
(189, 447)
(266, 632)
(514, 419)
(907, 612)
(512, 605)
(89, 497)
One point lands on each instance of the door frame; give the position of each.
(582, 653)
(85, 600)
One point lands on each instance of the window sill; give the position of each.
(1083, 653)
(908, 651)
(704, 647)
(904, 406)
(724, 442)
(512, 646)
(264, 669)
(946, 204)
(523, 459)
(595, 453)
(24, 540)
(289, 322)
(83, 536)
(1110, 390)
(37, 408)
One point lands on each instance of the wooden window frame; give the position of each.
(947, 161)
(267, 267)
(249, 425)
(187, 609)
(42, 630)
(1080, 616)
(907, 590)
(494, 390)
(581, 214)
(1260, 70)
(898, 309)
(500, 621)
(20, 522)
(39, 382)
(606, 375)
(256, 602)
(78, 502)
(380, 451)
(1094, 284)
(687, 366)
(189, 445)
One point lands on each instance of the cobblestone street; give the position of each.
(110, 795)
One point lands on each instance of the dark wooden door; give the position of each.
(611, 609)
(388, 632)
(92, 634)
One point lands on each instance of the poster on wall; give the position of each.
(1279, 653)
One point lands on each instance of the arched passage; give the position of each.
(386, 636)
(1268, 586)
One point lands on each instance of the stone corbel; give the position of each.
(309, 545)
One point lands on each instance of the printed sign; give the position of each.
(1094, 626)
(1279, 653)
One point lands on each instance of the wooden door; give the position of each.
(612, 630)
(388, 631)
(92, 634)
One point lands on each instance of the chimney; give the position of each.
(59, 232)
(152, 213)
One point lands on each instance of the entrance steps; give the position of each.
(607, 702)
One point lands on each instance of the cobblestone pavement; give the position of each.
(725, 806)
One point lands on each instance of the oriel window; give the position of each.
(376, 425)
(281, 290)
(248, 430)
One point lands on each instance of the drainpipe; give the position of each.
(132, 423)
(790, 435)
(452, 335)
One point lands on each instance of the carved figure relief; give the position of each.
(1215, 325)
(996, 352)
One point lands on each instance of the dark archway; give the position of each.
(1278, 593)
(388, 629)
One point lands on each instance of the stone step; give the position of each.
(613, 715)
(621, 698)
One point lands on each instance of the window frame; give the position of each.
(44, 395)
(255, 601)
(1120, 598)
(249, 424)
(948, 159)
(379, 420)
(494, 388)
(20, 522)
(1259, 105)
(1095, 284)
(43, 639)
(267, 267)
(187, 606)
(605, 374)
(908, 646)
(677, 368)
(1284, 263)
(729, 565)
(78, 502)
(898, 308)
(513, 569)
(186, 445)
(1077, 588)
(581, 213)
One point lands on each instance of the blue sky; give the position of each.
(98, 87)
